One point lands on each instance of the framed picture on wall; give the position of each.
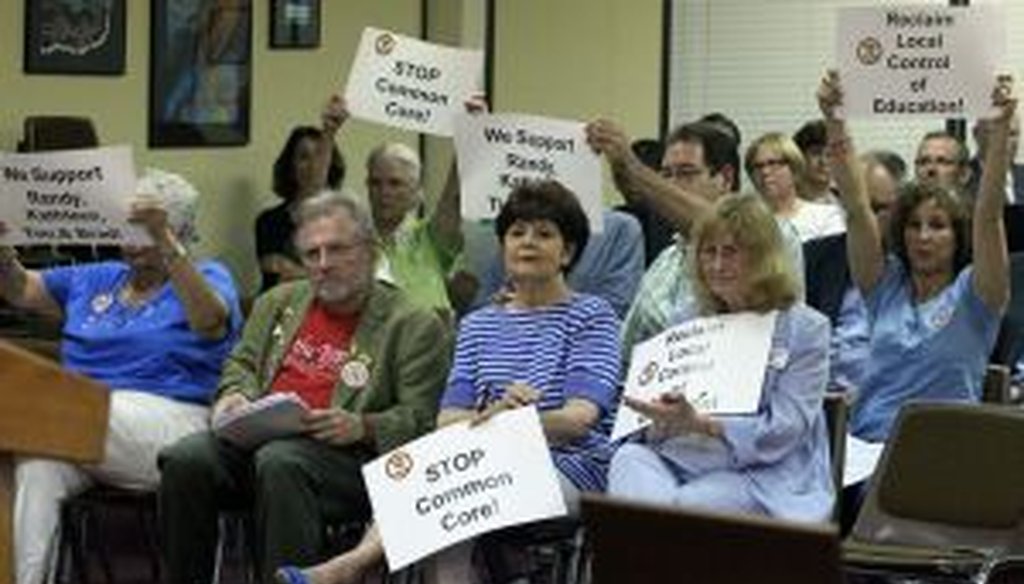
(200, 73)
(294, 24)
(74, 37)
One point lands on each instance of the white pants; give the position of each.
(140, 424)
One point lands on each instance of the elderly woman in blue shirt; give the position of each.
(776, 461)
(154, 327)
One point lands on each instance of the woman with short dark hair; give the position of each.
(308, 163)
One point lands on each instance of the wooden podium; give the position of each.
(44, 411)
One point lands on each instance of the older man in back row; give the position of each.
(369, 364)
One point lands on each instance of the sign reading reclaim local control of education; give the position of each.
(497, 152)
(458, 482)
(919, 60)
(68, 196)
(717, 362)
(411, 84)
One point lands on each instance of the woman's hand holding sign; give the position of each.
(673, 415)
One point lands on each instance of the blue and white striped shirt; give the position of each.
(567, 350)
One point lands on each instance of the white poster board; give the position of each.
(411, 84)
(496, 152)
(459, 482)
(919, 60)
(68, 196)
(717, 362)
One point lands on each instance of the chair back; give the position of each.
(837, 412)
(57, 133)
(633, 542)
(951, 477)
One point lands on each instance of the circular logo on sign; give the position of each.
(355, 373)
(398, 466)
(869, 51)
(101, 302)
(384, 44)
(648, 373)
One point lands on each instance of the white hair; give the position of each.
(177, 196)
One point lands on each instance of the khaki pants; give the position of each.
(140, 425)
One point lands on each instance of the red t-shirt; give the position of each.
(313, 363)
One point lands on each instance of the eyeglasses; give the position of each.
(331, 252)
(936, 160)
(761, 165)
(681, 172)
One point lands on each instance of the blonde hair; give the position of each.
(786, 148)
(768, 274)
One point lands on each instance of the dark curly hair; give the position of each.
(911, 196)
(285, 185)
(547, 200)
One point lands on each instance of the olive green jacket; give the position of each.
(406, 349)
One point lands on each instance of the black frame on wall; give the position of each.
(76, 38)
(200, 73)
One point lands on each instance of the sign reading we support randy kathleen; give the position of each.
(68, 196)
(919, 60)
(459, 482)
(716, 362)
(411, 84)
(497, 152)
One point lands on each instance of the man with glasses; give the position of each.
(942, 159)
(369, 364)
(699, 166)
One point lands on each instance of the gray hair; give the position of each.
(398, 152)
(328, 203)
(178, 198)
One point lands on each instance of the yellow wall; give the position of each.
(565, 58)
(288, 88)
(579, 59)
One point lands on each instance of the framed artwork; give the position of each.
(74, 37)
(200, 73)
(294, 24)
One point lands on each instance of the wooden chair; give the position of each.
(948, 498)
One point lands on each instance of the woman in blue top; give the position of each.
(775, 462)
(154, 327)
(933, 316)
(543, 345)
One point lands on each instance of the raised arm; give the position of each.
(991, 278)
(21, 287)
(446, 220)
(863, 238)
(332, 118)
(206, 311)
(639, 183)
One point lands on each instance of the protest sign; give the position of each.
(68, 196)
(459, 482)
(716, 362)
(411, 84)
(919, 60)
(497, 152)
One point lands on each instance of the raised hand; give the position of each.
(334, 114)
(830, 94)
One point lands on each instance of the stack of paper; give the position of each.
(274, 416)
